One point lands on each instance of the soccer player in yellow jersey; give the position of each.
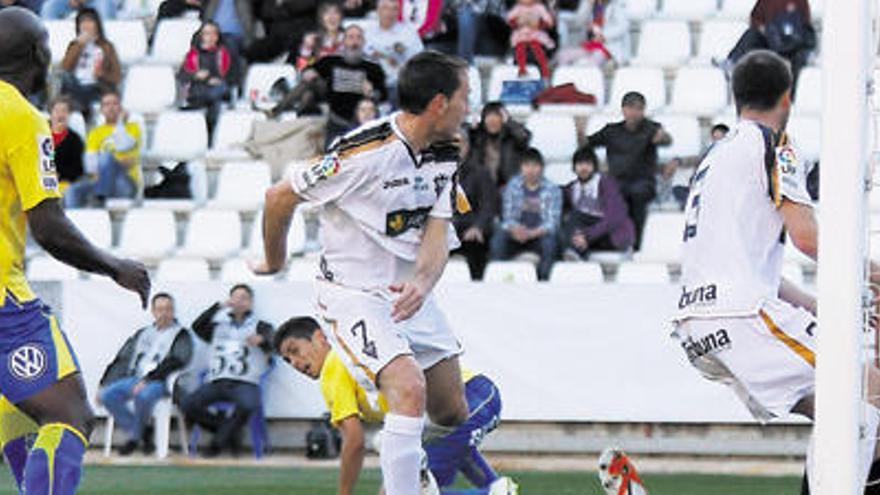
(302, 344)
(42, 390)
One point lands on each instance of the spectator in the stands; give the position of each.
(783, 26)
(366, 111)
(594, 216)
(208, 72)
(59, 9)
(471, 19)
(69, 146)
(608, 36)
(113, 154)
(632, 156)
(530, 20)
(236, 21)
(285, 23)
(530, 215)
(141, 371)
(497, 142)
(241, 349)
(475, 227)
(327, 40)
(357, 8)
(391, 42)
(90, 63)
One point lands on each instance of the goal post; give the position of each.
(846, 35)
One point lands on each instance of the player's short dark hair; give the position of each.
(720, 128)
(759, 80)
(428, 74)
(584, 154)
(60, 99)
(301, 327)
(108, 90)
(245, 287)
(531, 155)
(160, 295)
(633, 98)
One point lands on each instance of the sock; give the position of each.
(401, 454)
(53, 467)
(477, 470)
(16, 431)
(16, 453)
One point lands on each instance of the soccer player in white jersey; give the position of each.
(387, 192)
(739, 322)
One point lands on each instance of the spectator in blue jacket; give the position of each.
(531, 211)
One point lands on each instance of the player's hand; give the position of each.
(262, 268)
(579, 241)
(659, 136)
(132, 275)
(411, 297)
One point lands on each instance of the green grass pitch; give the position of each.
(180, 480)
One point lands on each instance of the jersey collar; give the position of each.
(416, 157)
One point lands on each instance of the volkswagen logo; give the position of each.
(28, 362)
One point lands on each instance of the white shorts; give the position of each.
(768, 359)
(358, 325)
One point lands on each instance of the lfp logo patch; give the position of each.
(787, 159)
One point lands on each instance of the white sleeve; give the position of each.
(328, 178)
(791, 173)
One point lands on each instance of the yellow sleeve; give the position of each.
(339, 390)
(31, 157)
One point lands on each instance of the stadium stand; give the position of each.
(183, 270)
(648, 81)
(148, 234)
(172, 40)
(567, 272)
(213, 234)
(688, 10)
(517, 272)
(233, 129)
(663, 43)
(94, 224)
(642, 273)
(129, 37)
(554, 135)
(61, 33)
(179, 136)
(149, 89)
(700, 91)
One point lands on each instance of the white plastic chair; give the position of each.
(475, 81)
(688, 10)
(163, 412)
(47, 268)
(663, 44)
(809, 92)
(302, 270)
(737, 9)
(149, 88)
(232, 130)
(559, 173)
(179, 136)
(504, 72)
(77, 123)
(647, 81)
(183, 270)
(576, 272)
(641, 9)
(94, 224)
(173, 39)
(129, 38)
(588, 80)
(241, 186)
(213, 234)
(662, 238)
(642, 273)
(700, 91)
(517, 272)
(236, 270)
(261, 77)
(806, 134)
(456, 271)
(61, 33)
(686, 136)
(554, 135)
(148, 234)
(717, 38)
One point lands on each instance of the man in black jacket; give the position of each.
(141, 369)
(241, 349)
(474, 228)
(497, 143)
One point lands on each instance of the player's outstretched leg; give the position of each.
(14, 428)
(403, 385)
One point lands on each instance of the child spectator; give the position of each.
(530, 19)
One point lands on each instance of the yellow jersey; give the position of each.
(27, 177)
(345, 397)
(101, 139)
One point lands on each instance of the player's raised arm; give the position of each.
(432, 257)
(59, 237)
(278, 210)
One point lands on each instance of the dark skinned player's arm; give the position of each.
(60, 238)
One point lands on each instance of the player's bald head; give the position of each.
(24, 57)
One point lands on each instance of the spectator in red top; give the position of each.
(327, 40)
(207, 72)
(68, 144)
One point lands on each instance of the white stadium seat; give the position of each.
(213, 234)
(241, 186)
(642, 273)
(456, 271)
(806, 134)
(699, 91)
(736, 9)
(129, 38)
(302, 270)
(296, 236)
(718, 37)
(559, 173)
(261, 77)
(576, 272)
(77, 123)
(648, 81)
(94, 224)
(663, 44)
(686, 136)
(173, 39)
(510, 272)
(808, 98)
(662, 238)
(179, 136)
(149, 88)
(505, 72)
(554, 135)
(641, 9)
(236, 270)
(688, 10)
(183, 270)
(475, 82)
(148, 234)
(232, 130)
(61, 33)
(47, 268)
(590, 80)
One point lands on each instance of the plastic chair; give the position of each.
(688, 10)
(179, 136)
(129, 38)
(149, 88)
(663, 44)
(172, 40)
(700, 91)
(648, 81)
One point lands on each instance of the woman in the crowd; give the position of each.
(207, 72)
(327, 40)
(90, 64)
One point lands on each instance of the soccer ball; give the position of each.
(618, 474)
(504, 486)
